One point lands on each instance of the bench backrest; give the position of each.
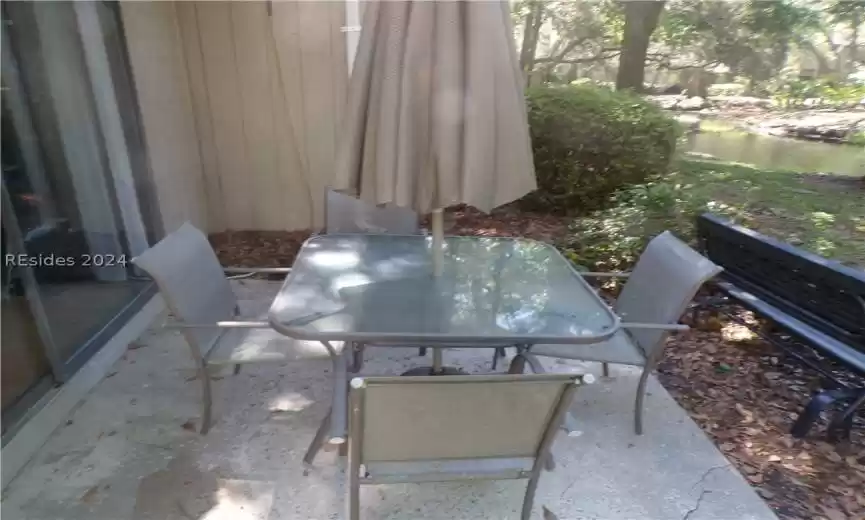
(821, 292)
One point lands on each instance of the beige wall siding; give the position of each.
(161, 82)
(265, 95)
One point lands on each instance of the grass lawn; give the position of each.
(822, 214)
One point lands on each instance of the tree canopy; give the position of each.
(754, 42)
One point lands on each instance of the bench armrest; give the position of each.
(605, 275)
(220, 325)
(678, 327)
(257, 270)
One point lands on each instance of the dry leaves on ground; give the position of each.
(746, 394)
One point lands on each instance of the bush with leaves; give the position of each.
(589, 141)
(613, 239)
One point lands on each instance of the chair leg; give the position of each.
(237, 369)
(550, 462)
(353, 498)
(638, 404)
(605, 367)
(206, 400)
(318, 440)
(529, 499)
(534, 363)
(357, 358)
(518, 365)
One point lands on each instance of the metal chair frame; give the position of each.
(491, 467)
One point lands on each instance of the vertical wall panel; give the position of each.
(162, 86)
(294, 190)
(286, 31)
(316, 53)
(194, 56)
(338, 63)
(267, 93)
(226, 109)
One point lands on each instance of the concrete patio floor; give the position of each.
(130, 451)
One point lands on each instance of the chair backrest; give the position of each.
(666, 278)
(192, 282)
(403, 419)
(346, 214)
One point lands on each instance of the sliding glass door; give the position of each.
(74, 182)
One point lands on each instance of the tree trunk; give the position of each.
(531, 31)
(641, 19)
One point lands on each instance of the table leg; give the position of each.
(339, 405)
(437, 360)
(437, 369)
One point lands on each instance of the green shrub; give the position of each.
(857, 138)
(589, 141)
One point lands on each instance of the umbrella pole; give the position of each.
(438, 260)
(438, 240)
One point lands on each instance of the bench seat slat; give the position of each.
(825, 343)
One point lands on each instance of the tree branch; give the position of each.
(560, 58)
(593, 58)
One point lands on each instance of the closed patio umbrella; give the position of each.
(436, 114)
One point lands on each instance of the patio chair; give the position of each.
(209, 315)
(665, 279)
(346, 214)
(443, 428)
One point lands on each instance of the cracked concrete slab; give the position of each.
(130, 452)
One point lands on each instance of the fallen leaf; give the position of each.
(89, 496)
(834, 514)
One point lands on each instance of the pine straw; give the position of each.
(743, 392)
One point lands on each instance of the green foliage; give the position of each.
(826, 219)
(824, 92)
(589, 141)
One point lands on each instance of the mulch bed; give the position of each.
(743, 392)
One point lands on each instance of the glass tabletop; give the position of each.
(381, 289)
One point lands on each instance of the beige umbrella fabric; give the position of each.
(436, 114)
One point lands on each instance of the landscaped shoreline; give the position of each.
(845, 125)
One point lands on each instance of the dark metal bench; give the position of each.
(816, 308)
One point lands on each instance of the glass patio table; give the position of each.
(381, 290)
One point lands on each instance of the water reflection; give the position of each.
(780, 153)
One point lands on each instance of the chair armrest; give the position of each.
(257, 270)
(678, 327)
(605, 275)
(221, 325)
